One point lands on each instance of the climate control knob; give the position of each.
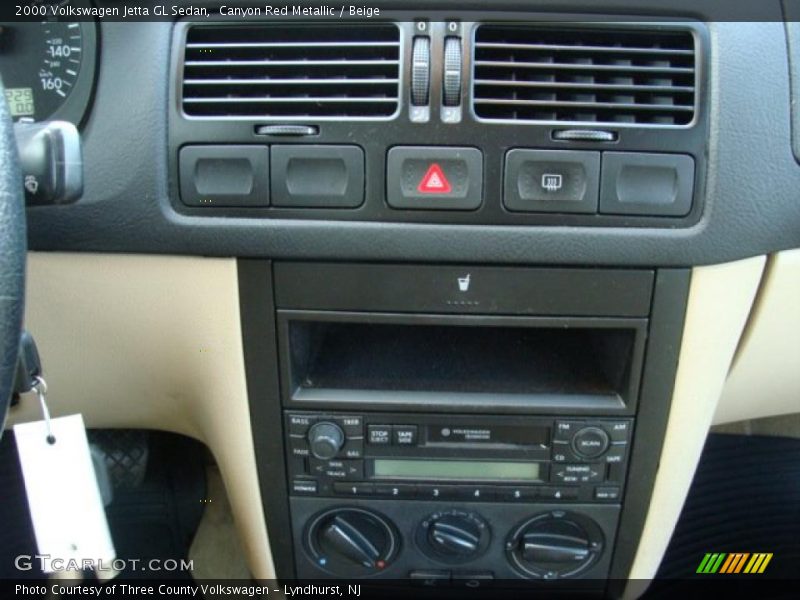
(351, 542)
(453, 536)
(325, 439)
(555, 545)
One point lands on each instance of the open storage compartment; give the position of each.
(349, 360)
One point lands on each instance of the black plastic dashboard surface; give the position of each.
(751, 181)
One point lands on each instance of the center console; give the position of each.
(455, 426)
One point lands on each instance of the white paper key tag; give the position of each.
(65, 503)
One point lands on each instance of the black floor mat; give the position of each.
(155, 519)
(745, 497)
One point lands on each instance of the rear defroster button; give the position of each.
(590, 442)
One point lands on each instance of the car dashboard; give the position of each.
(452, 293)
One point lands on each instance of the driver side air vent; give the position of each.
(292, 71)
(584, 75)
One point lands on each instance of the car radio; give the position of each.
(449, 457)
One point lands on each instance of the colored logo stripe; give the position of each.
(711, 563)
(758, 563)
(735, 562)
(721, 562)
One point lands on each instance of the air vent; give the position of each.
(584, 75)
(292, 71)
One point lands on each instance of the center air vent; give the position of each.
(584, 75)
(292, 71)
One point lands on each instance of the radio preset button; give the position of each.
(476, 493)
(379, 434)
(437, 492)
(353, 489)
(397, 490)
(590, 442)
(519, 494)
(558, 493)
(405, 435)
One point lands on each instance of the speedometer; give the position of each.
(47, 68)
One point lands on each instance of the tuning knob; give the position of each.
(351, 542)
(555, 545)
(325, 439)
(590, 442)
(453, 536)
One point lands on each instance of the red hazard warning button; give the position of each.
(434, 182)
(432, 178)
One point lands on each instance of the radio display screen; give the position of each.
(471, 470)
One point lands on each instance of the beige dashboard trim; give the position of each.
(765, 378)
(720, 298)
(151, 342)
(155, 342)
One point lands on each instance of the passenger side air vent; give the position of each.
(292, 71)
(584, 75)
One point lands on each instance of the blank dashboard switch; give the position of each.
(230, 176)
(640, 183)
(317, 176)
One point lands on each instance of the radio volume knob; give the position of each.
(325, 439)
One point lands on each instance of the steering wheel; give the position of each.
(12, 256)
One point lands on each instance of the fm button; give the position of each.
(590, 442)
